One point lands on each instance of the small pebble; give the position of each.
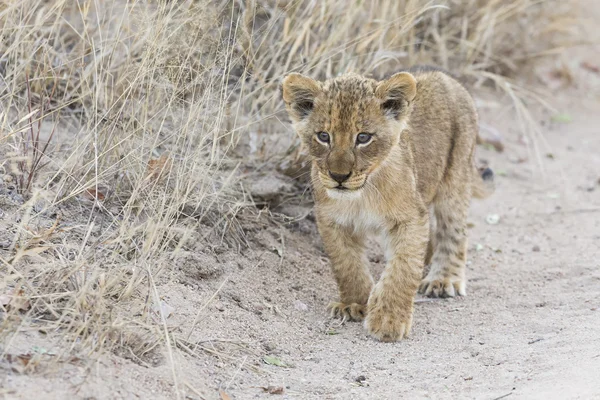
(492, 219)
(536, 248)
(300, 306)
(269, 346)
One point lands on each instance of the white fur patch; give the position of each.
(354, 212)
(344, 194)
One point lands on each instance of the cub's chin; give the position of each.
(344, 194)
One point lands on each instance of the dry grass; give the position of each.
(147, 100)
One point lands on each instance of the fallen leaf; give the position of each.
(517, 160)
(273, 389)
(563, 74)
(271, 360)
(492, 139)
(74, 360)
(22, 362)
(22, 359)
(163, 308)
(331, 331)
(32, 252)
(15, 300)
(488, 146)
(492, 219)
(224, 396)
(562, 118)
(41, 350)
(156, 168)
(93, 194)
(590, 67)
(478, 247)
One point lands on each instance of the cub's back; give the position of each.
(443, 128)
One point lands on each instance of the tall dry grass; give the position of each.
(147, 100)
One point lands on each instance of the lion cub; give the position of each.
(384, 156)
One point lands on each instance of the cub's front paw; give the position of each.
(435, 285)
(387, 322)
(352, 311)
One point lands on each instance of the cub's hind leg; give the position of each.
(446, 276)
(431, 242)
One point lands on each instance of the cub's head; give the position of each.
(348, 124)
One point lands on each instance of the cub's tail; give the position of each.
(483, 182)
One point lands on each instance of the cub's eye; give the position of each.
(363, 138)
(323, 137)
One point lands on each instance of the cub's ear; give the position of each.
(299, 94)
(396, 92)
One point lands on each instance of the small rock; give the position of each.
(300, 306)
(273, 389)
(270, 347)
(271, 188)
(535, 248)
(492, 219)
(361, 380)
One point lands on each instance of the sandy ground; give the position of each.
(528, 329)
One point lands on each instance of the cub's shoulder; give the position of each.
(432, 73)
(437, 86)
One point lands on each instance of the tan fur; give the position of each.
(419, 160)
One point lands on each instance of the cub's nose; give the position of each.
(339, 178)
